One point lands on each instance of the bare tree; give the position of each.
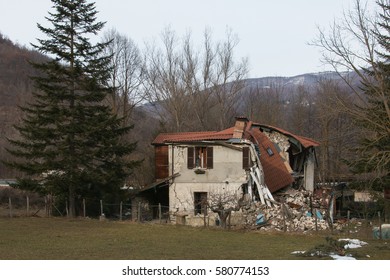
(164, 84)
(126, 74)
(193, 89)
(228, 80)
(224, 204)
(265, 103)
(198, 75)
(359, 45)
(335, 130)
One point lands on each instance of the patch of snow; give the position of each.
(338, 257)
(353, 243)
(298, 80)
(298, 252)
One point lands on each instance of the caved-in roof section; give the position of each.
(305, 142)
(276, 175)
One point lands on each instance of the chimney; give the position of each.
(239, 127)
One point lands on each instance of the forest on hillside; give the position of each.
(305, 105)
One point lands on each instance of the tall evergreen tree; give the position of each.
(70, 143)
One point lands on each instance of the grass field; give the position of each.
(79, 239)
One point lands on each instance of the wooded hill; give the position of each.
(15, 90)
(304, 104)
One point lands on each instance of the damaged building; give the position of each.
(248, 161)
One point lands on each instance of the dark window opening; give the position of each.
(200, 203)
(244, 188)
(246, 158)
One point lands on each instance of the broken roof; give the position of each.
(276, 174)
(305, 142)
(226, 134)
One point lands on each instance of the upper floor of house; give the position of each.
(213, 156)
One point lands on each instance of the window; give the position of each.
(200, 203)
(270, 152)
(200, 157)
(246, 158)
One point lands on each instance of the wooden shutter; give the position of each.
(190, 158)
(245, 158)
(209, 158)
(162, 162)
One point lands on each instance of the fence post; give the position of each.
(380, 225)
(84, 208)
(139, 212)
(66, 208)
(348, 215)
(10, 207)
(284, 218)
(46, 206)
(316, 218)
(204, 215)
(28, 205)
(159, 212)
(101, 207)
(120, 211)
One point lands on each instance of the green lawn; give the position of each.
(60, 238)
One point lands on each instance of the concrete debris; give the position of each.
(282, 144)
(294, 211)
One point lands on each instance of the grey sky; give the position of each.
(274, 35)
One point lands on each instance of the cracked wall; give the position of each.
(227, 175)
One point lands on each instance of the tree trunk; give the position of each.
(223, 215)
(72, 203)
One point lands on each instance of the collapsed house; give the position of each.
(249, 161)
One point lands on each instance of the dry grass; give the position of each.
(60, 238)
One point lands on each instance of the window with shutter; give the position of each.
(162, 162)
(200, 157)
(246, 158)
(190, 157)
(209, 158)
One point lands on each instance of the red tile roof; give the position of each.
(223, 135)
(193, 136)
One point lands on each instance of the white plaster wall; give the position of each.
(181, 195)
(227, 166)
(227, 175)
(309, 172)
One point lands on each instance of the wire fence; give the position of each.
(31, 205)
(16, 206)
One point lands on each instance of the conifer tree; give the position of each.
(71, 144)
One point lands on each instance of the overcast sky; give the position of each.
(273, 34)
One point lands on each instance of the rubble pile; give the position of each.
(294, 211)
(281, 141)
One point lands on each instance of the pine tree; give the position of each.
(71, 145)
